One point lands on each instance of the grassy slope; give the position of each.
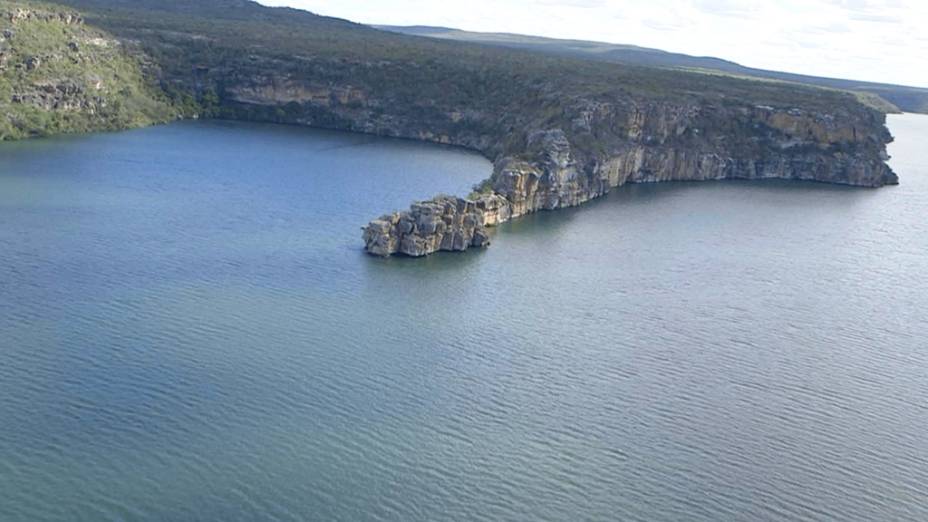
(79, 79)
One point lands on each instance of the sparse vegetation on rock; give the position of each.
(57, 75)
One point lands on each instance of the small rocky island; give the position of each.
(644, 143)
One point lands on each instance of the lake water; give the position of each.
(190, 330)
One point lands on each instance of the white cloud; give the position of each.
(876, 40)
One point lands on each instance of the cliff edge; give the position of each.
(638, 143)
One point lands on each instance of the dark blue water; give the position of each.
(189, 330)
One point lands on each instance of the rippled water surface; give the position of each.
(189, 330)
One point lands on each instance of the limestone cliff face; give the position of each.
(444, 223)
(357, 107)
(593, 146)
(654, 142)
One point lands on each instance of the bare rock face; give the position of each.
(558, 168)
(495, 209)
(21, 14)
(443, 223)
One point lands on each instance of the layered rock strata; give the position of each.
(655, 144)
(443, 223)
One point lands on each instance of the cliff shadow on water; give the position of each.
(620, 142)
(638, 198)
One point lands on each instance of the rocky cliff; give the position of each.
(553, 150)
(646, 143)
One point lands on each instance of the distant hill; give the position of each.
(908, 99)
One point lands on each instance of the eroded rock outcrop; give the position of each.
(650, 144)
(443, 223)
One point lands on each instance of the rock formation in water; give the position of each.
(650, 143)
(443, 223)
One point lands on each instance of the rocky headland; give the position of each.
(647, 143)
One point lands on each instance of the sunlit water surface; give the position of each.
(189, 330)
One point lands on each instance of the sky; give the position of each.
(875, 40)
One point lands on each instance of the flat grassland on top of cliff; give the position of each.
(242, 36)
